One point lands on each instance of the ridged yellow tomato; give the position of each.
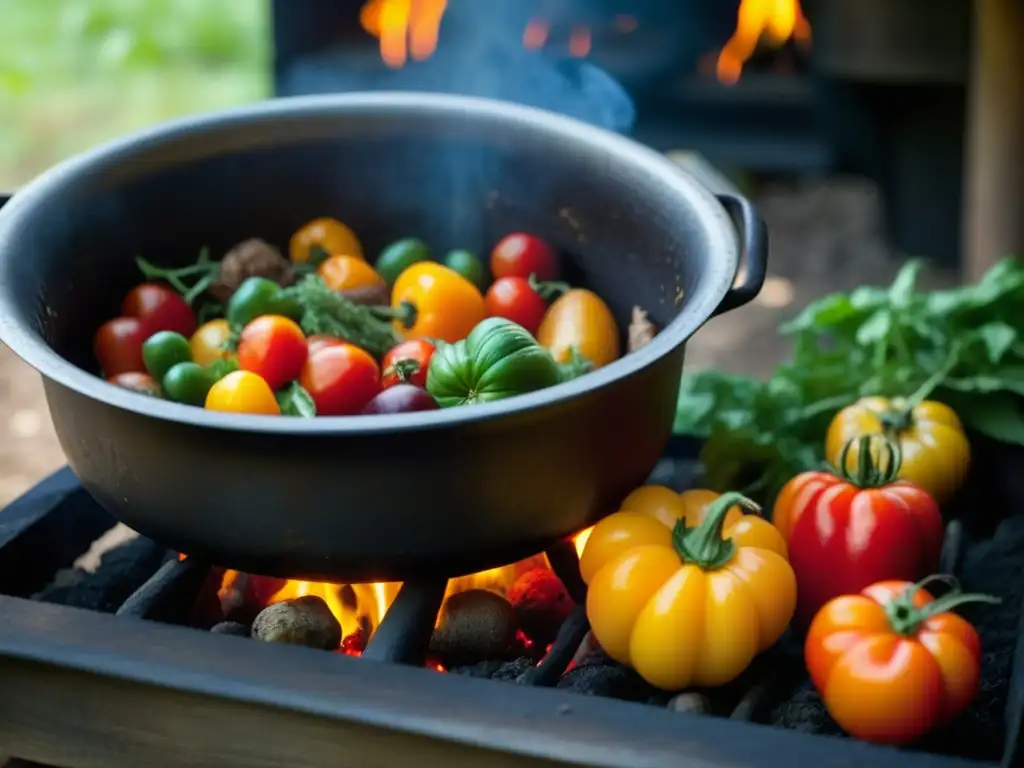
(579, 320)
(935, 454)
(685, 589)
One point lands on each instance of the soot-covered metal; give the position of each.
(87, 688)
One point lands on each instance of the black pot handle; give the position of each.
(753, 235)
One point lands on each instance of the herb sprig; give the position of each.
(963, 346)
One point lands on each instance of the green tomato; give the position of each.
(258, 296)
(189, 383)
(162, 351)
(467, 265)
(399, 256)
(498, 359)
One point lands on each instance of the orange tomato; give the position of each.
(432, 301)
(891, 663)
(242, 392)
(318, 341)
(580, 320)
(340, 379)
(273, 347)
(343, 273)
(209, 342)
(320, 238)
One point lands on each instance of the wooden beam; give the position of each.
(994, 173)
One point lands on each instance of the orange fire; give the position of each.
(404, 27)
(774, 21)
(371, 601)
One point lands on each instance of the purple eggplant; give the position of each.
(401, 398)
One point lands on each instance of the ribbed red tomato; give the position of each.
(160, 309)
(273, 347)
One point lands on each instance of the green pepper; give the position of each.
(399, 256)
(467, 265)
(498, 359)
(162, 351)
(258, 296)
(189, 383)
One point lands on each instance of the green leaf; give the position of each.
(902, 289)
(294, 400)
(997, 416)
(999, 338)
(876, 328)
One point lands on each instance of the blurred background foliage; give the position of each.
(77, 72)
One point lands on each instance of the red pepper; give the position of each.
(848, 529)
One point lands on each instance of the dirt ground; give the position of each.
(826, 236)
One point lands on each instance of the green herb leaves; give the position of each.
(963, 346)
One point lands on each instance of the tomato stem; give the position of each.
(871, 472)
(403, 369)
(906, 619)
(901, 417)
(204, 271)
(405, 313)
(549, 290)
(703, 545)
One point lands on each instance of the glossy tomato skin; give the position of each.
(340, 379)
(401, 398)
(318, 341)
(160, 309)
(445, 305)
(142, 383)
(515, 299)
(117, 345)
(320, 238)
(346, 273)
(885, 687)
(242, 392)
(273, 347)
(843, 538)
(409, 362)
(580, 320)
(209, 342)
(522, 255)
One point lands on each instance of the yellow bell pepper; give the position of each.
(685, 588)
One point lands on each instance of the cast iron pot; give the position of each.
(375, 497)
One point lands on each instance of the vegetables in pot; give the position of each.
(273, 347)
(579, 320)
(399, 256)
(522, 300)
(117, 345)
(401, 398)
(933, 447)
(431, 301)
(321, 238)
(243, 392)
(163, 350)
(467, 265)
(892, 663)
(210, 341)
(345, 273)
(522, 255)
(687, 605)
(407, 362)
(341, 379)
(498, 359)
(847, 530)
(159, 309)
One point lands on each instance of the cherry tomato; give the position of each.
(319, 340)
(273, 347)
(118, 346)
(209, 342)
(242, 392)
(401, 398)
(142, 383)
(340, 379)
(343, 273)
(189, 383)
(160, 309)
(320, 238)
(891, 663)
(522, 255)
(515, 299)
(408, 362)
(579, 321)
(164, 350)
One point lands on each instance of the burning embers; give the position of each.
(497, 615)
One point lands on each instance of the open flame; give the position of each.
(772, 21)
(359, 608)
(404, 27)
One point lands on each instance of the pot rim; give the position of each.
(701, 303)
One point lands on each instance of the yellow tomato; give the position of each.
(432, 301)
(934, 452)
(686, 589)
(209, 342)
(242, 392)
(323, 237)
(580, 320)
(344, 273)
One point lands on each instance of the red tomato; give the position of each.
(118, 346)
(159, 309)
(846, 531)
(136, 381)
(274, 348)
(521, 255)
(318, 341)
(340, 379)
(408, 361)
(891, 663)
(515, 299)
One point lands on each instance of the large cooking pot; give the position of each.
(375, 497)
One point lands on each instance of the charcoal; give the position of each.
(474, 626)
(230, 628)
(121, 571)
(542, 604)
(612, 680)
(505, 671)
(305, 621)
(690, 704)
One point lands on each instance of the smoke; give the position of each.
(481, 53)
